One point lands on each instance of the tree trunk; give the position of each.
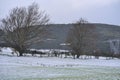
(78, 55)
(20, 53)
(73, 56)
(55, 54)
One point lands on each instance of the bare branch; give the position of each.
(25, 26)
(81, 37)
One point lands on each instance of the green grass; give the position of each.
(97, 73)
(60, 73)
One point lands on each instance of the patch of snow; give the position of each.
(6, 49)
(50, 39)
(20, 68)
(50, 50)
(64, 44)
(54, 61)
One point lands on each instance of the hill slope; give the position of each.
(59, 33)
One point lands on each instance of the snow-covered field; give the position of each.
(53, 68)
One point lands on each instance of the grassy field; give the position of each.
(60, 73)
(52, 68)
(82, 74)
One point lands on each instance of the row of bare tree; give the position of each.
(21, 31)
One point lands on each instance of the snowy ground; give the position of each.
(52, 68)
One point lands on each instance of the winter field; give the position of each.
(54, 68)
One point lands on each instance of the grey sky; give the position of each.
(68, 11)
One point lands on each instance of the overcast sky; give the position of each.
(68, 11)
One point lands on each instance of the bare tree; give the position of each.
(81, 38)
(24, 27)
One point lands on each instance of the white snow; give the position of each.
(64, 44)
(6, 49)
(53, 61)
(49, 50)
(13, 67)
